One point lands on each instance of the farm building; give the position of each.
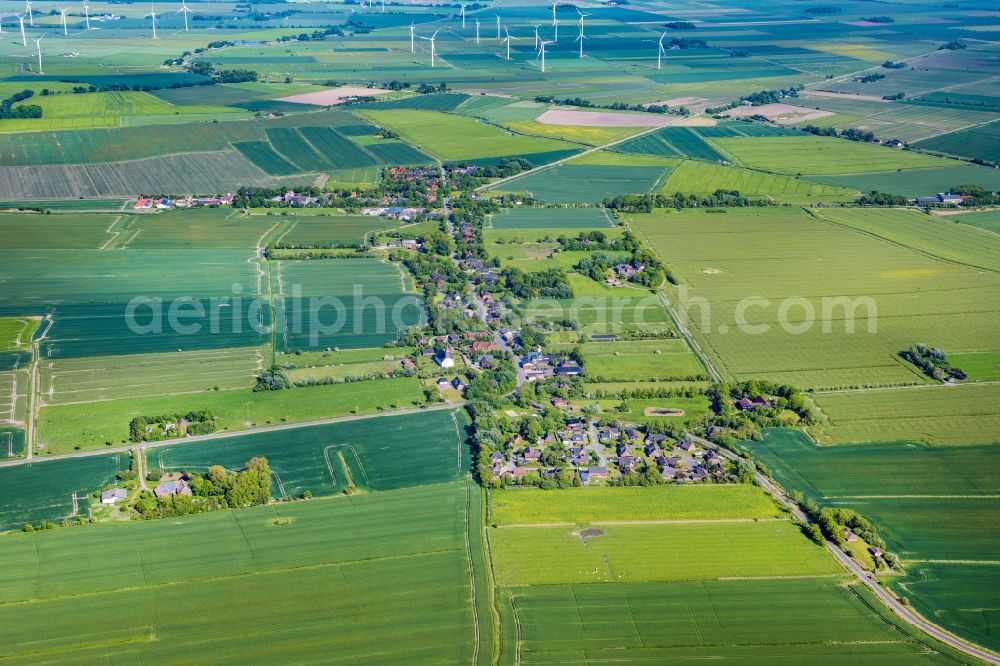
(169, 488)
(114, 495)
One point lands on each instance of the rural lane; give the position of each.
(235, 433)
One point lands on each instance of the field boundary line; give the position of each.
(992, 563)
(472, 573)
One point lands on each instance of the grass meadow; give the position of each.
(640, 359)
(587, 183)
(723, 260)
(606, 503)
(797, 155)
(566, 220)
(64, 428)
(636, 553)
(963, 414)
(705, 178)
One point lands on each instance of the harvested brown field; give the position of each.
(332, 96)
(599, 119)
(783, 114)
(840, 95)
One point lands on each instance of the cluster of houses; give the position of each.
(623, 272)
(537, 365)
(392, 212)
(404, 243)
(163, 203)
(292, 198)
(476, 346)
(483, 274)
(681, 462)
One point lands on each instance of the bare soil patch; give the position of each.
(698, 121)
(663, 411)
(840, 95)
(783, 114)
(711, 271)
(332, 96)
(599, 119)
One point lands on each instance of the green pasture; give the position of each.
(640, 359)
(329, 228)
(759, 621)
(16, 333)
(551, 218)
(920, 182)
(396, 564)
(989, 220)
(705, 178)
(693, 409)
(370, 454)
(797, 155)
(980, 366)
(62, 428)
(964, 414)
(668, 552)
(865, 298)
(455, 138)
(602, 314)
(606, 503)
(929, 234)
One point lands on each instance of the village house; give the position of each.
(169, 488)
(627, 463)
(114, 495)
(686, 446)
(458, 384)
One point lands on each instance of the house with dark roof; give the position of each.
(169, 488)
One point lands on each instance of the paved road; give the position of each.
(905, 613)
(234, 433)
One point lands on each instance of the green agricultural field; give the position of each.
(917, 182)
(929, 234)
(195, 229)
(988, 219)
(898, 469)
(456, 138)
(752, 321)
(66, 381)
(693, 409)
(21, 231)
(110, 107)
(982, 142)
(266, 158)
(635, 553)
(16, 332)
(757, 621)
(705, 178)
(61, 428)
(198, 173)
(591, 136)
(980, 366)
(355, 303)
(551, 218)
(797, 155)
(587, 183)
(370, 454)
(46, 490)
(966, 414)
(673, 142)
(397, 564)
(327, 228)
(603, 314)
(604, 503)
(934, 506)
(11, 439)
(640, 359)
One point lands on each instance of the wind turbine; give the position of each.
(184, 10)
(27, 8)
(536, 27)
(555, 22)
(86, 14)
(383, 6)
(431, 40)
(498, 25)
(463, 14)
(412, 28)
(660, 51)
(581, 36)
(477, 31)
(62, 14)
(38, 45)
(24, 41)
(509, 38)
(541, 52)
(152, 15)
